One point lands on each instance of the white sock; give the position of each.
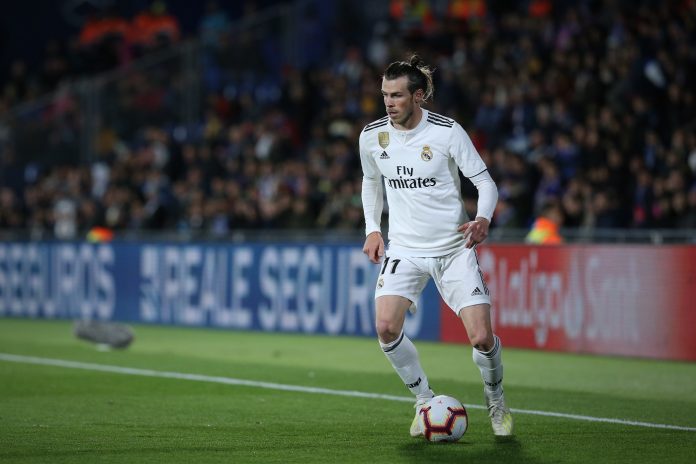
(402, 354)
(491, 366)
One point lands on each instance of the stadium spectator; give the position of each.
(10, 211)
(466, 10)
(55, 67)
(214, 25)
(20, 85)
(105, 40)
(414, 17)
(154, 28)
(546, 227)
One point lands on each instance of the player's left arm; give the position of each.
(476, 231)
(474, 169)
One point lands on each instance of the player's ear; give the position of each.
(418, 96)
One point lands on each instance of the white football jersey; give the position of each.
(420, 168)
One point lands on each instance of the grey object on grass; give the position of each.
(112, 334)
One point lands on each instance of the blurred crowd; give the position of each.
(585, 105)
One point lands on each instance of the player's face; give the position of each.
(399, 102)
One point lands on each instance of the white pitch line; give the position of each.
(298, 388)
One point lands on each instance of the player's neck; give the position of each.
(412, 121)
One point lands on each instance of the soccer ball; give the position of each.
(443, 418)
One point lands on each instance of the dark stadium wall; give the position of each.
(26, 27)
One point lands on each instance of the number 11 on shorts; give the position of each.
(393, 268)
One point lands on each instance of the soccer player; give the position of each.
(420, 153)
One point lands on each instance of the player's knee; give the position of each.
(482, 340)
(387, 331)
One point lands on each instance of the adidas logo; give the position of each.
(384, 155)
(477, 291)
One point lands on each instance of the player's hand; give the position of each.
(474, 231)
(374, 247)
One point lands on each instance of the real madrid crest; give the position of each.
(426, 154)
(383, 138)
(380, 282)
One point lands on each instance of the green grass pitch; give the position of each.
(58, 414)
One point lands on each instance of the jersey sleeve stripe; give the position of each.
(471, 177)
(439, 123)
(440, 118)
(379, 123)
(369, 128)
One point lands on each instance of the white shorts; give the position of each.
(457, 276)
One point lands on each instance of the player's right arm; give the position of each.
(373, 203)
(374, 247)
